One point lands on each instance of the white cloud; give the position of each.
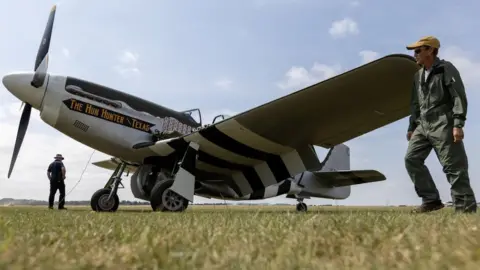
(129, 58)
(299, 77)
(342, 28)
(355, 3)
(66, 52)
(128, 64)
(223, 83)
(368, 56)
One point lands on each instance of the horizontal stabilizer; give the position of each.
(111, 164)
(350, 177)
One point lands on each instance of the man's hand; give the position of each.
(457, 134)
(409, 135)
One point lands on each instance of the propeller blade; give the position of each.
(22, 129)
(41, 63)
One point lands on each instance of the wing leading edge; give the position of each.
(338, 109)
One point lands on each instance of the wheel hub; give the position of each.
(106, 204)
(171, 200)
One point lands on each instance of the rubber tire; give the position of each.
(302, 207)
(96, 197)
(156, 197)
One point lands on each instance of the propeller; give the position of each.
(41, 67)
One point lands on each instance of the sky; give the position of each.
(226, 57)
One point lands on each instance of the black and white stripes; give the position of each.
(186, 173)
(284, 187)
(252, 161)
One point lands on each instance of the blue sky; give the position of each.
(226, 57)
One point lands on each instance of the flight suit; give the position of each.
(438, 105)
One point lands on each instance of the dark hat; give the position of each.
(59, 156)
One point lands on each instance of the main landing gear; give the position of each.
(173, 192)
(163, 199)
(106, 199)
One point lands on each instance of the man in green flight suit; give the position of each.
(438, 114)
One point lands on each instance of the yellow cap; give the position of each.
(430, 41)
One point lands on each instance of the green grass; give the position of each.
(238, 237)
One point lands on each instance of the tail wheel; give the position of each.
(302, 207)
(165, 200)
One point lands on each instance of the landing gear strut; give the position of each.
(301, 206)
(106, 199)
(173, 192)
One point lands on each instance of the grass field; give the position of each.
(238, 237)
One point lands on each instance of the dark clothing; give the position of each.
(441, 91)
(53, 189)
(438, 105)
(56, 182)
(55, 168)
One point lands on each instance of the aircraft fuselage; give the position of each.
(102, 118)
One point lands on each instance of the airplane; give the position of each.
(267, 151)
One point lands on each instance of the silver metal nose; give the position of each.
(9, 82)
(19, 84)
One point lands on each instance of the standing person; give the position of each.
(438, 114)
(56, 173)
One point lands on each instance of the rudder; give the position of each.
(337, 159)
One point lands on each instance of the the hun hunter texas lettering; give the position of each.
(108, 115)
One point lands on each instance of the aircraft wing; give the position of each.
(350, 177)
(112, 163)
(272, 142)
(338, 109)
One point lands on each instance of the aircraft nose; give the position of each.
(19, 85)
(9, 81)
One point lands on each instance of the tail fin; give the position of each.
(336, 171)
(337, 159)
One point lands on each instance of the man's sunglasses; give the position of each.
(419, 50)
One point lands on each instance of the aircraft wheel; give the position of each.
(100, 202)
(302, 207)
(165, 200)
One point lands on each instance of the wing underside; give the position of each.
(272, 142)
(112, 163)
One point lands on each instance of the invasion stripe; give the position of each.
(284, 188)
(226, 176)
(180, 145)
(257, 194)
(270, 191)
(275, 162)
(162, 148)
(214, 149)
(244, 135)
(249, 172)
(189, 160)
